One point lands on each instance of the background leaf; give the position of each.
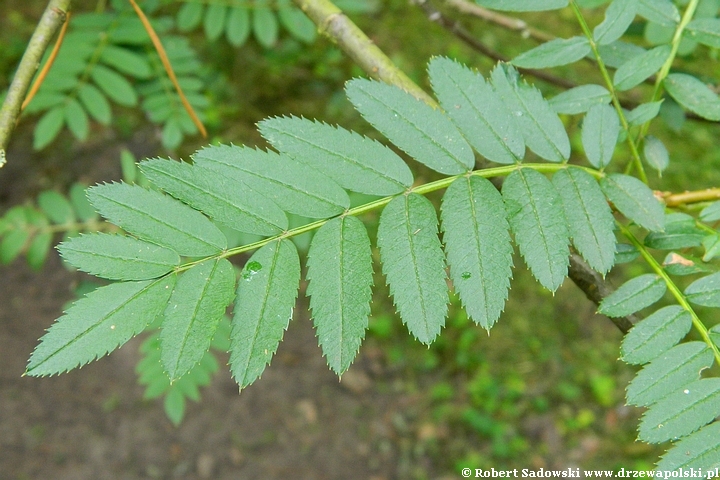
(600, 131)
(636, 70)
(477, 242)
(340, 275)
(265, 300)
(554, 53)
(694, 95)
(618, 17)
(414, 264)
(634, 200)
(655, 153)
(579, 99)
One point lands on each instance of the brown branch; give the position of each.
(51, 19)
(348, 36)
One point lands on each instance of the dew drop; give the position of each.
(112, 327)
(518, 113)
(466, 275)
(686, 391)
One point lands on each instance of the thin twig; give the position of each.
(46, 68)
(53, 16)
(324, 14)
(509, 23)
(168, 68)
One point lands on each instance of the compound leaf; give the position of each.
(579, 99)
(557, 52)
(118, 257)
(192, 314)
(636, 70)
(669, 372)
(353, 161)
(224, 199)
(158, 218)
(682, 412)
(478, 247)
(99, 323)
(705, 291)
(543, 131)
(618, 17)
(589, 218)
(634, 200)
(655, 334)
(414, 264)
(633, 295)
(290, 184)
(340, 275)
(423, 132)
(700, 450)
(535, 213)
(694, 95)
(477, 111)
(265, 299)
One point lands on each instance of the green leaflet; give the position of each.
(355, 162)
(12, 245)
(192, 314)
(290, 184)
(296, 22)
(118, 257)
(48, 127)
(618, 17)
(78, 198)
(99, 323)
(600, 131)
(705, 291)
(669, 372)
(224, 199)
(699, 450)
(678, 234)
(618, 52)
(643, 113)
(414, 264)
(711, 213)
(77, 120)
(340, 275)
(423, 132)
(625, 253)
(682, 412)
(157, 218)
(579, 99)
(536, 216)
(114, 86)
(38, 249)
(126, 61)
(711, 244)
(634, 200)
(56, 207)
(523, 5)
(663, 12)
(238, 26)
(636, 70)
(214, 22)
(543, 131)
(265, 299)
(589, 218)
(189, 16)
(705, 31)
(265, 24)
(477, 242)
(655, 334)
(694, 95)
(557, 52)
(675, 264)
(633, 295)
(477, 110)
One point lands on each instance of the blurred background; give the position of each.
(544, 389)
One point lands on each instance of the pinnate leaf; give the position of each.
(694, 95)
(589, 218)
(557, 52)
(224, 199)
(353, 161)
(340, 275)
(699, 450)
(157, 218)
(99, 323)
(543, 131)
(477, 111)
(682, 412)
(414, 264)
(633, 295)
(535, 213)
(655, 334)
(600, 131)
(118, 257)
(478, 247)
(192, 314)
(634, 200)
(423, 132)
(265, 299)
(669, 372)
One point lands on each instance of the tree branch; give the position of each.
(52, 18)
(355, 43)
